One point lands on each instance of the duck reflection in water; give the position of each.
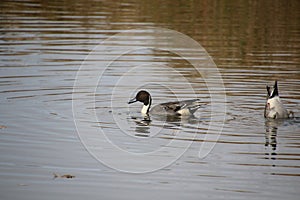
(142, 126)
(271, 134)
(169, 122)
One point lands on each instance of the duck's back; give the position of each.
(186, 107)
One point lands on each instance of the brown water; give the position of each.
(43, 45)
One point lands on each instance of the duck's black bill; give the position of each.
(132, 101)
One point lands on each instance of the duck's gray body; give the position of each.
(274, 108)
(186, 107)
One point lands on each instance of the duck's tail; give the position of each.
(194, 105)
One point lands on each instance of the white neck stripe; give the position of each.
(146, 108)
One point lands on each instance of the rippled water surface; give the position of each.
(52, 64)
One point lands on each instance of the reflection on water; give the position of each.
(42, 45)
(271, 134)
(272, 128)
(172, 122)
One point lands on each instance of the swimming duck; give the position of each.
(274, 108)
(186, 107)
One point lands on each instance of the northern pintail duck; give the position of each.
(274, 108)
(186, 107)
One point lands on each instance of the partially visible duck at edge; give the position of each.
(274, 108)
(186, 107)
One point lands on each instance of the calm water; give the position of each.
(46, 47)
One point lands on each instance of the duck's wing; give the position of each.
(192, 105)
